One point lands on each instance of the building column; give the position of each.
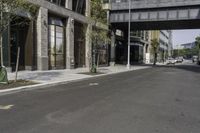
(88, 42)
(70, 61)
(87, 11)
(42, 40)
(88, 46)
(144, 53)
(68, 4)
(112, 48)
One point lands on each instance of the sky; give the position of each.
(184, 36)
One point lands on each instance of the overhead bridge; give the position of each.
(156, 14)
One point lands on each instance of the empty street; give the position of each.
(154, 100)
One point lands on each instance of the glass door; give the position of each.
(56, 47)
(59, 48)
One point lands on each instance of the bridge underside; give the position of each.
(185, 17)
(159, 25)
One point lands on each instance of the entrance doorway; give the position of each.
(18, 35)
(56, 47)
(79, 45)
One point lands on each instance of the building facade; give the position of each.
(138, 49)
(188, 45)
(164, 38)
(56, 39)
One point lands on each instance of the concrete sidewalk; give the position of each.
(68, 75)
(55, 77)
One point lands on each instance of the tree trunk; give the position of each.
(17, 64)
(1, 48)
(98, 60)
(155, 58)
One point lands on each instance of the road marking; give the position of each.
(7, 107)
(93, 84)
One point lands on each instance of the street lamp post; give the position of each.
(129, 40)
(1, 39)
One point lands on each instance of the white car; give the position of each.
(195, 59)
(170, 61)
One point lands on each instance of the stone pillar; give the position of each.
(68, 4)
(144, 52)
(87, 11)
(88, 42)
(88, 46)
(112, 48)
(42, 39)
(70, 61)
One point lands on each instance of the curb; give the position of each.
(45, 85)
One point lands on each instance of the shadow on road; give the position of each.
(191, 68)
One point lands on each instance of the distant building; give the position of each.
(188, 45)
(165, 39)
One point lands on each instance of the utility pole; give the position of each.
(129, 39)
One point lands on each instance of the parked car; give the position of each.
(171, 61)
(179, 59)
(194, 59)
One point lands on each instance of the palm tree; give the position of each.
(155, 45)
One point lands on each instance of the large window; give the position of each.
(79, 6)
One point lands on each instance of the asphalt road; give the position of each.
(155, 100)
